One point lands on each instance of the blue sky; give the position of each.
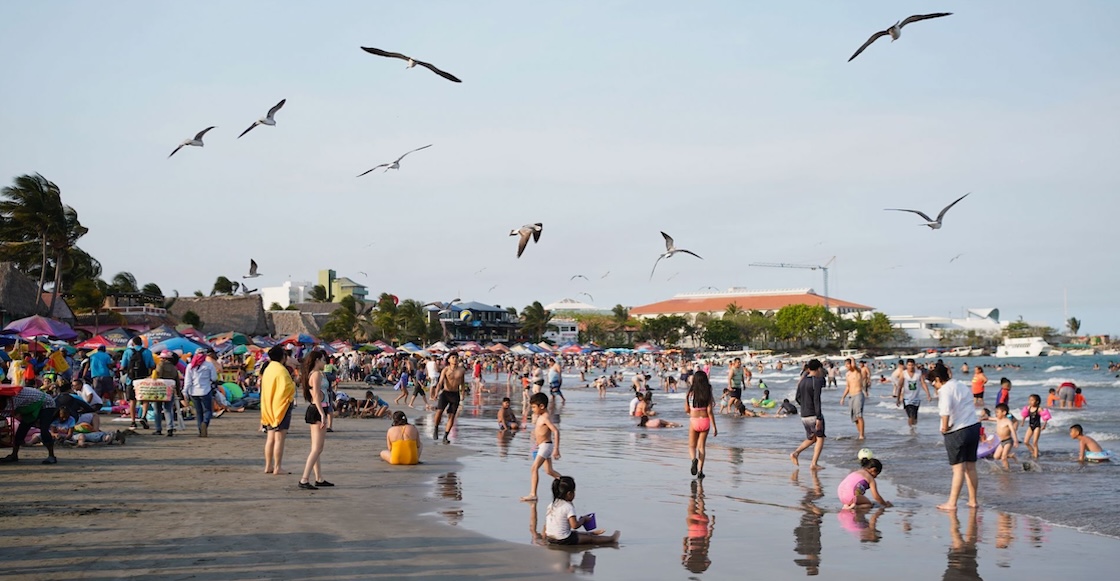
(737, 127)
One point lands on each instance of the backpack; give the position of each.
(137, 367)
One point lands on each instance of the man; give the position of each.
(865, 376)
(961, 430)
(137, 363)
(855, 390)
(896, 377)
(34, 409)
(832, 371)
(555, 379)
(908, 396)
(101, 370)
(448, 394)
(812, 413)
(735, 383)
(979, 380)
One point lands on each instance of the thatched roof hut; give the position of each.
(286, 323)
(220, 314)
(18, 295)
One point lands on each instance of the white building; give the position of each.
(926, 331)
(287, 294)
(562, 331)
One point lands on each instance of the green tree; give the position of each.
(343, 321)
(535, 320)
(62, 239)
(275, 307)
(384, 317)
(89, 296)
(664, 330)
(804, 323)
(621, 314)
(191, 318)
(411, 319)
(222, 286)
(723, 334)
(152, 289)
(33, 211)
(318, 294)
(123, 282)
(875, 332)
(1074, 325)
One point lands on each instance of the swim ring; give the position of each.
(1102, 456)
(987, 446)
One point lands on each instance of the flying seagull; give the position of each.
(588, 295)
(605, 275)
(955, 257)
(234, 286)
(674, 275)
(197, 141)
(933, 224)
(525, 232)
(492, 288)
(412, 62)
(266, 120)
(670, 250)
(245, 290)
(363, 274)
(396, 164)
(575, 276)
(896, 30)
(709, 287)
(252, 269)
(479, 271)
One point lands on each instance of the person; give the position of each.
(137, 363)
(857, 391)
(961, 431)
(646, 422)
(34, 409)
(402, 442)
(812, 414)
(167, 371)
(1066, 393)
(1052, 398)
(1078, 399)
(561, 521)
(77, 408)
(448, 393)
(1036, 417)
(404, 380)
(735, 377)
(546, 436)
(1004, 395)
(555, 380)
(506, 418)
(908, 395)
(865, 377)
(698, 402)
(421, 387)
(979, 380)
(635, 402)
(897, 380)
(89, 395)
(373, 406)
(101, 372)
(854, 486)
(1085, 443)
(277, 398)
(1007, 432)
(645, 405)
(315, 395)
(198, 382)
(786, 409)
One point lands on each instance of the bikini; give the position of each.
(698, 424)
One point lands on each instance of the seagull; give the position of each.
(363, 274)
(933, 224)
(670, 250)
(234, 286)
(955, 257)
(575, 276)
(896, 30)
(492, 288)
(252, 269)
(245, 290)
(412, 62)
(605, 275)
(443, 307)
(479, 271)
(197, 141)
(396, 164)
(525, 232)
(588, 295)
(709, 287)
(672, 277)
(266, 120)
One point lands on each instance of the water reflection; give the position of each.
(862, 523)
(962, 562)
(700, 528)
(565, 556)
(504, 438)
(807, 534)
(449, 487)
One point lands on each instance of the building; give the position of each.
(287, 294)
(474, 321)
(927, 331)
(339, 288)
(767, 301)
(562, 331)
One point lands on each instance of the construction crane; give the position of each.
(823, 268)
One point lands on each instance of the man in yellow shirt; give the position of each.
(278, 392)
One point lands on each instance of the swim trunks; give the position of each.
(961, 444)
(855, 406)
(285, 423)
(813, 429)
(911, 410)
(449, 401)
(736, 393)
(544, 450)
(1066, 394)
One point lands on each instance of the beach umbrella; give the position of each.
(369, 348)
(572, 349)
(410, 347)
(301, 338)
(118, 336)
(385, 347)
(471, 346)
(95, 342)
(240, 350)
(160, 334)
(36, 326)
(439, 346)
(229, 337)
(180, 344)
(264, 342)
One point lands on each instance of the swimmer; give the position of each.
(1087, 444)
(1052, 398)
(646, 422)
(852, 488)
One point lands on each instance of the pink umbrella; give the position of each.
(36, 326)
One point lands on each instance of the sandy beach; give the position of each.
(191, 508)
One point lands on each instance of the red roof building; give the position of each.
(766, 301)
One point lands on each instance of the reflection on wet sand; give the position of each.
(807, 534)
(504, 438)
(862, 523)
(1005, 533)
(700, 529)
(449, 487)
(565, 554)
(962, 563)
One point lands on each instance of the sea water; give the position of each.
(637, 479)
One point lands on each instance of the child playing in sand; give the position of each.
(561, 521)
(506, 419)
(854, 486)
(1088, 445)
(547, 438)
(1036, 417)
(1008, 432)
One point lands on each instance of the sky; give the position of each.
(736, 127)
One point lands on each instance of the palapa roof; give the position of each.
(317, 308)
(285, 323)
(688, 303)
(219, 314)
(60, 311)
(18, 293)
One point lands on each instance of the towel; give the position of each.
(277, 393)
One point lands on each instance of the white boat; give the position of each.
(958, 352)
(1082, 352)
(977, 352)
(1023, 347)
(1111, 352)
(852, 353)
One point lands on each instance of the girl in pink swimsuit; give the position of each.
(854, 486)
(698, 406)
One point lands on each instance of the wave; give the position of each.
(1054, 368)
(1104, 436)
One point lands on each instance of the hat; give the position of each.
(165, 354)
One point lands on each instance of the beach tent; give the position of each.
(572, 349)
(191, 333)
(341, 346)
(439, 346)
(119, 336)
(180, 344)
(36, 326)
(264, 342)
(546, 346)
(646, 348)
(384, 347)
(498, 348)
(622, 350)
(470, 346)
(520, 350)
(228, 337)
(95, 342)
(410, 348)
(160, 334)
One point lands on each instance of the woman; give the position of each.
(198, 382)
(34, 408)
(278, 392)
(698, 406)
(315, 386)
(402, 441)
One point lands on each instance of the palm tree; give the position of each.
(123, 282)
(62, 238)
(152, 289)
(621, 314)
(411, 320)
(385, 316)
(1074, 325)
(534, 320)
(732, 311)
(318, 294)
(33, 211)
(222, 286)
(89, 295)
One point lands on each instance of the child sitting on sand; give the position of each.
(787, 409)
(506, 419)
(561, 520)
(852, 488)
(1087, 444)
(373, 406)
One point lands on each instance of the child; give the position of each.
(561, 520)
(787, 409)
(1004, 395)
(1007, 431)
(645, 422)
(1088, 445)
(547, 438)
(1037, 417)
(1078, 399)
(506, 419)
(725, 401)
(1052, 399)
(852, 488)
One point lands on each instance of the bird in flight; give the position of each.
(670, 250)
(492, 288)
(443, 307)
(896, 30)
(479, 271)
(233, 287)
(363, 274)
(196, 141)
(605, 275)
(396, 164)
(252, 269)
(588, 295)
(709, 287)
(525, 232)
(674, 275)
(955, 257)
(575, 276)
(933, 224)
(267, 119)
(245, 290)
(412, 62)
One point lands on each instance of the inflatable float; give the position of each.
(1102, 456)
(987, 446)
(763, 403)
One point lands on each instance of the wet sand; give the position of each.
(185, 507)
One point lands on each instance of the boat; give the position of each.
(1111, 352)
(959, 352)
(1023, 347)
(977, 352)
(1089, 352)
